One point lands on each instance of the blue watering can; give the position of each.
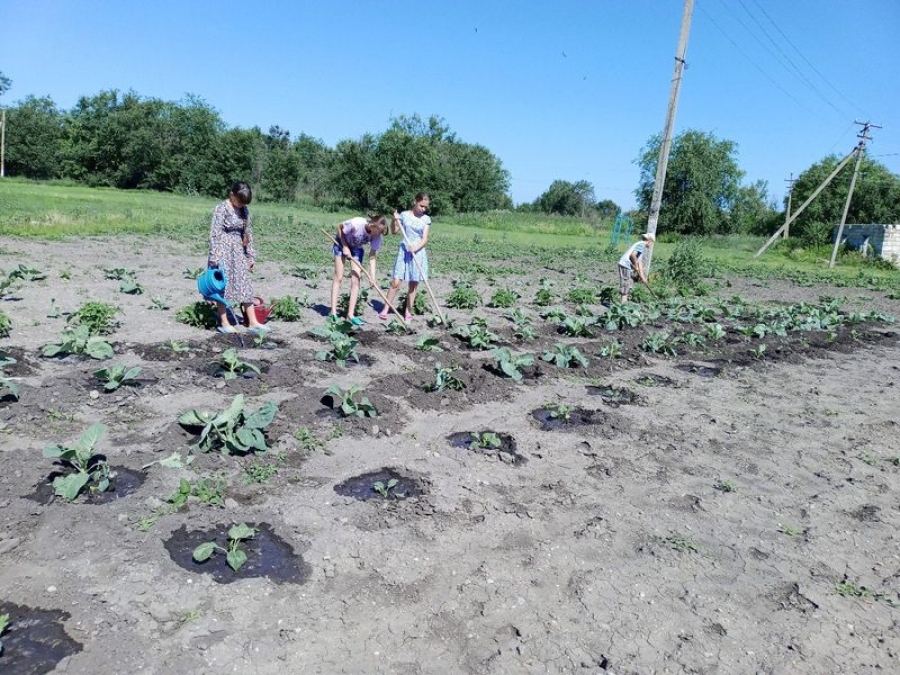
(211, 284)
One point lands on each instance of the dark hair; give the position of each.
(242, 191)
(421, 196)
(379, 221)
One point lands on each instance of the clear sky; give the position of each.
(557, 89)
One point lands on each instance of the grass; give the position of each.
(507, 243)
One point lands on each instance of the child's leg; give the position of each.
(336, 282)
(354, 293)
(223, 314)
(250, 312)
(411, 296)
(392, 292)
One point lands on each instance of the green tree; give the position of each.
(876, 196)
(314, 158)
(567, 199)
(753, 211)
(5, 83)
(33, 138)
(701, 186)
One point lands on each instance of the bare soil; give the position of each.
(712, 512)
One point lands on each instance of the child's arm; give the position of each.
(422, 243)
(345, 248)
(395, 223)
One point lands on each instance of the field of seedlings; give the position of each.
(545, 481)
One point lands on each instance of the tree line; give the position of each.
(124, 140)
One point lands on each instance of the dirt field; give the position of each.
(712, 512)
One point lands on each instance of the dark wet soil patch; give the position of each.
(167, 351)
(489, 443)
(572, 418)
(653, 380)
(123, 483)
(699, 369)
(364, 487)
(24, 365)
(267, 556)
(529, 373)
(35, 640)
(614, 396)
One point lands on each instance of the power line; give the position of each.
(816, 70)
(790, 61)
(757, 66)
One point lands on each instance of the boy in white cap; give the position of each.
(631, 263)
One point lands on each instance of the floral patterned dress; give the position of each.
(231, 248)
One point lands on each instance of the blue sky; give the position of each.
(558, 89)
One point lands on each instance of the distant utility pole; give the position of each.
(2, 142)
(787, 214)
(863, 136)
(663, 161)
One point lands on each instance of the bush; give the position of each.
(286, 309)
(687, 267)
(97, 316)
(199, 315)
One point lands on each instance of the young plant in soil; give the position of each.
(159, 303)
(486, 440)
(308, 442)
(544, 297)
(98, 317)
(574, 326)
(715, 331)
(89, 470)
(565, 356)
(394, 327)
(26, 273)
(117, 375)
(385, 489)
(659, 343)
(234, 554)
(230, 366)
(286, 309)
(503, 297)
(428, 343)
(463, 296)
(199, 314)
(80, 342)
(130, 287)
(611, 350)
(476, 334)
(555, 314)
(509, 363)
(4, 624)
(694, 340)
(559, 411)
(232, 431)
(343, 349)
(5, 325)
(758, 352)
(260, 472)
(524, 330)
(361, 301)
(350, 405)
(623, 315)
(191, 273)
(444, 379)
(582, 296)
(6, 382)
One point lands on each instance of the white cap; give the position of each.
(648, 236)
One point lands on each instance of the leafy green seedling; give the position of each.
(88, 467)
(395, 327)
(789, 530)
(157, 302)
(6, 382)
(130, 287)
(230, 366)
(189, 273)
(725, 486)
(98, 317)
(486, 440)
(444, 379)
(565, 356)
(232, 431)
(199, 314)
(509, 363)
(260, 472)
(659, 343)
(476, 334)
(611, 350)
(286, 309)
(26, 273)
(582, 296)
(578, 327)
(503, 297)
(350, 405)
(560, 411)
(234, 554)
(428, 343)
(758, 352)
(463, 296)
(117, 375)
(178, 347)
(4, 624)
(385, 489)
(80, 341)
(54, 312)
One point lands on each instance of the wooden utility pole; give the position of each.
(2, 142)
(815, 194)
(787, 214)
(663, 161)
(860, 149)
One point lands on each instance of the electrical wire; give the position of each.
(757, 66)
(797, 70)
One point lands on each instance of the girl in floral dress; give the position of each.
(414, 225)
(231, 250)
